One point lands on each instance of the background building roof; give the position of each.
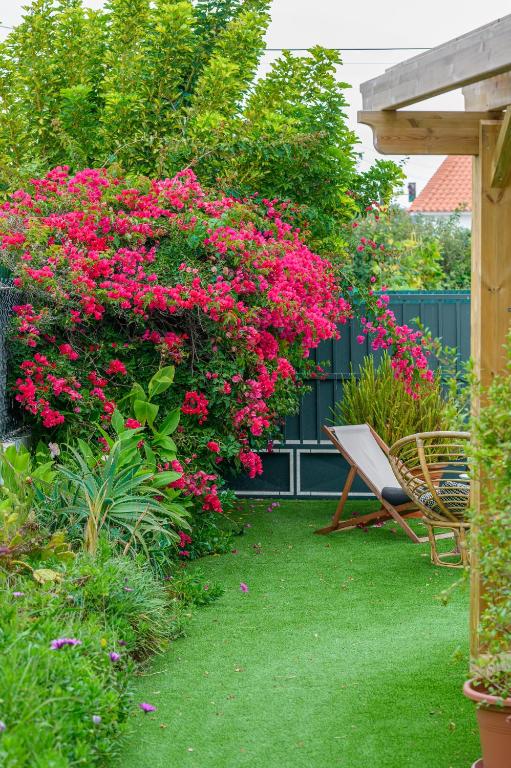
(449, 189)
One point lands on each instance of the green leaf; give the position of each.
(46, 575)
(161, 380)
(170, 422)
(150, 455)
(162, 479)
(166, 443)
(137, 392)
(145, 411)
(118, 421)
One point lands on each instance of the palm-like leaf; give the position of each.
(108, 494)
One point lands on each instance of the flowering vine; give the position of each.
(119, 280)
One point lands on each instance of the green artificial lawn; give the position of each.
(339, 656)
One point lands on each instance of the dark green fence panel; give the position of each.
(304, 464)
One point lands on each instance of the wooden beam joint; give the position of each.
(501, 163)
(426, 133)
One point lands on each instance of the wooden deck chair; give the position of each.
(367, 455)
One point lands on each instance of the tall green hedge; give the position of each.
(158, 86)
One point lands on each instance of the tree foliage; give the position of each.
(155, 87)
(411, 252)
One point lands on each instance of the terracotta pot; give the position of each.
(494, 718)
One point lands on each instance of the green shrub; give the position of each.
(50, 697)
(121, 497)
(130, 599)
(411, 252)
(154, 87)
(492, 463)
(191, 588)
(379, 399)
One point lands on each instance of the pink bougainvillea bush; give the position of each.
(118, 281)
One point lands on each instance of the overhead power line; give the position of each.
(424, 48)
(395, 48)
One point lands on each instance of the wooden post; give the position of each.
(491, 299)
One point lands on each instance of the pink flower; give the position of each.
(145, 707)
(184, 539)
(196, 404)
(213, 446)
(115, 366)
(68, 351)
(132, 424)
(243, 587)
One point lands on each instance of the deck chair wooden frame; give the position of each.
(387, 510)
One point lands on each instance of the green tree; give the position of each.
(411, 252)
(157, 86)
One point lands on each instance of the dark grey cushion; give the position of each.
(395, 496)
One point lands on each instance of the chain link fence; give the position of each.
(9, 296)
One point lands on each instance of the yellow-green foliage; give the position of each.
(154, 87)
(492, 465)
(379, 399)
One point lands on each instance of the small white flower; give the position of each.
(54, 450)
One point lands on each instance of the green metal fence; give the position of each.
(304, 464)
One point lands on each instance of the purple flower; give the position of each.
(244, 587)
(145, 707)
(96, 719)
(18, 594)
(114, 656)
(60, 642)
(123, 642)
(2, 726)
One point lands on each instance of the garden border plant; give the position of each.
(490, 687)
(121, 281)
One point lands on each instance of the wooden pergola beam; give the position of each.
(426, 133)
(494, 93)
(480, 54)
(501, 165)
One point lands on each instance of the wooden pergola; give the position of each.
(479, 63)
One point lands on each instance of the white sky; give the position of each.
(363, 24)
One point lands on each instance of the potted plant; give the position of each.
(490, 686)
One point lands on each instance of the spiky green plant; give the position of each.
(377, 398)
(128, 501)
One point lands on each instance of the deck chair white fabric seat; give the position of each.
(367, 455)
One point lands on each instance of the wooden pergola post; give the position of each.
(490, 298)
(491, 261)
(480, 63)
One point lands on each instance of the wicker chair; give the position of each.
(432, 468)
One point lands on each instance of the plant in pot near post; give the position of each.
(490, 686)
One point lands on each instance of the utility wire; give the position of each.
(398, 48)
(424, 48)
